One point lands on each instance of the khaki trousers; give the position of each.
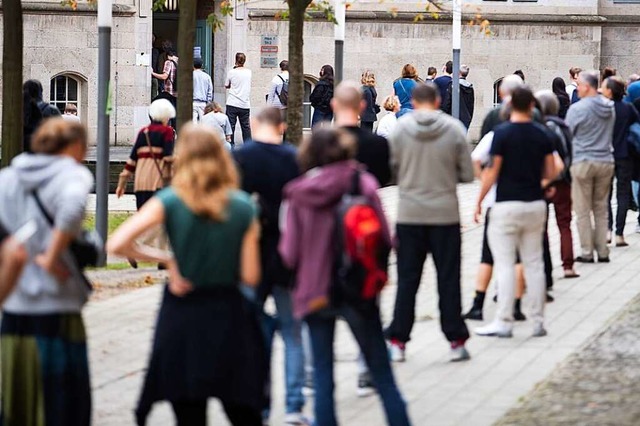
(590, 193)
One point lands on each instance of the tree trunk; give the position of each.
(12, 127)
(297, 10)
(186, 41)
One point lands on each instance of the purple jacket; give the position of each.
(306, 243)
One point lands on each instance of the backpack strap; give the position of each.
(355, 183)
(41, 207)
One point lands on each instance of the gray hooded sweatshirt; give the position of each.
(63, 185)
(591, 121)
(429, 157)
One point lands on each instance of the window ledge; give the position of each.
(83, 9)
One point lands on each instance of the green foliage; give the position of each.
(115, 220)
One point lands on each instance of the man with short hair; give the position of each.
(373, 150)
(429, 157)
(573, 84)
(497, 116)
(467, 98)
(432, 73)
(169, 74)
(239, 98)
(444, 81)
(591, 120)
(202, 90)
(71, 113)
(523, 158)
(279, 88)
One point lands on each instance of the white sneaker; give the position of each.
(396, 351)
(539, 330)
(296, 419)
(458, 354)
(495, 328)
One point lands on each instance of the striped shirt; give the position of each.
(142, 161)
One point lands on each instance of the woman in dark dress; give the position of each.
(370, 96)
(207, 341)
(559, 88)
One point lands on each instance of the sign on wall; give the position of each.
(269, 52)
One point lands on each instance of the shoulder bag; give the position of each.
(166, 180)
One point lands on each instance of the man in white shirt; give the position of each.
(573, 83)
(238, 99)
(202, 90)
(279, 88)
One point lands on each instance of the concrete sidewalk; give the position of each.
(477, 392)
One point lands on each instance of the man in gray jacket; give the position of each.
(429, 157)
(591, 120)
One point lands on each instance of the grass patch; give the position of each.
(121, 266)
(115, 220)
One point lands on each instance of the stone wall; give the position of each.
(542, 51)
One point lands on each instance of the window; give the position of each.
(65, 90)
(497, 100)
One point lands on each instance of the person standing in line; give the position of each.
(35, 110)
(279, 88)
(239, 98)
(520, 74)
(429, 157)
(169, 75)
(266, 165)
(44, 359)
(373, 150)
(208, 342)
(321, 96)
(614, 88)
(388, 122)
(432, 73)
(559, 88)
(561, 197)
(574, 72)
(403, 88)
(71, 113)
(608, 72)
(522, 159)
(371, 110)
(202, 90)
(467, 98)
(215, 118)
(592, 122)
(444, 80)
(498, 115)
(307, 246)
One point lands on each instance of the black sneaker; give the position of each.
(604, 260)
(365, 385)
(474, 314)
(550, 298)
(581, 259)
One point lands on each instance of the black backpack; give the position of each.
(564, 144)
(284, 93)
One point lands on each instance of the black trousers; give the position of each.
(194, 413)
(444, 244)
(624, 173)
(368, 125)
(242, 115)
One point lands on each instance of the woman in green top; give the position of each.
(207, 341)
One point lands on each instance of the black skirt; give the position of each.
(207, 344)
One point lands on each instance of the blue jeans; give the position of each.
(319, 117)
(367, 329)
(291, 331)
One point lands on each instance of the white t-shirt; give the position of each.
(239, 82)
(570, 89)
(386, 125)
(482, 154)
(277, 85)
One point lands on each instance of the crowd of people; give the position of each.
(305, 226)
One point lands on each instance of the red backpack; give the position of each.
(362, 253)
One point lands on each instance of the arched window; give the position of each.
(497, 100)
(307, 109)
(65, 89)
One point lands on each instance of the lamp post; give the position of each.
(457, 42)
(340, 12)
(102, 158)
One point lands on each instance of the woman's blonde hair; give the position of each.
(390, 102)
(368, 78)
(204, 171)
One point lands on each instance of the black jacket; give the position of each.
(321, 96)
(370, 113)
(467, 101)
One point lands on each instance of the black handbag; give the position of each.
(86, 250)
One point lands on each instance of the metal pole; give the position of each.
(102, 159)
(456, 38)
(340, 12)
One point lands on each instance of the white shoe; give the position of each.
(458, 354)
(296, 419)
(539, 330)
(495, 328)
(396, 351)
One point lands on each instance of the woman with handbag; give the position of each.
(403, 88)
(44, 350)
(370, 113)
(208, 342)
(151, 162)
